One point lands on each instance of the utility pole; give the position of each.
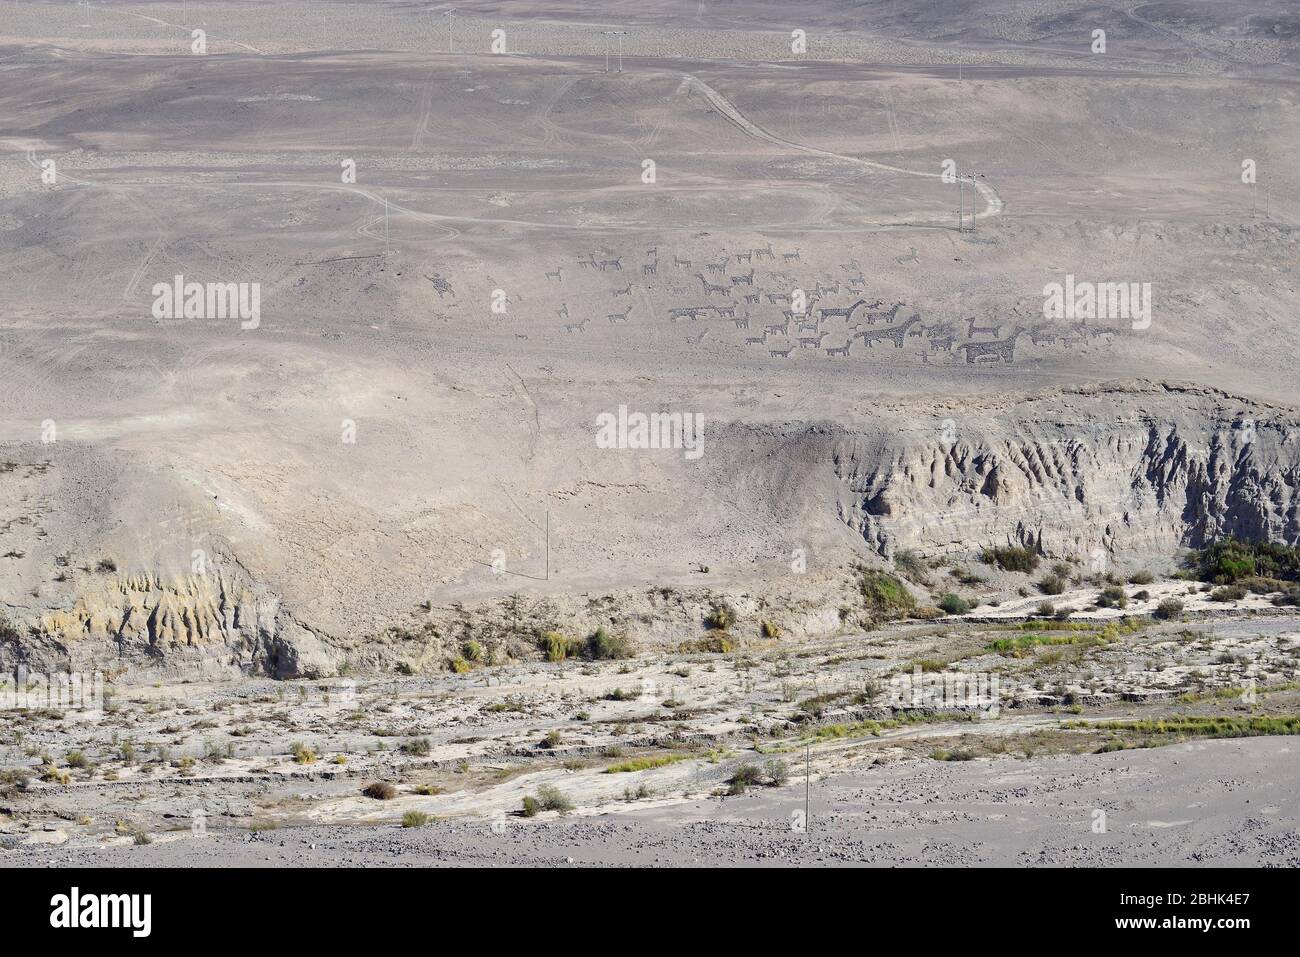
(961, 205)
(614, 33)
(451, 15)
(807, 786)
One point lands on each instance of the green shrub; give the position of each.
(721, 616)
(777, 771)
(556, 647)
(1169, 608)
(417, 746)
(1011, 558)
(531, 806)
(885, 596)
(1052, 585)
(552, 798)
(380, 791)
(1112, 596)
(601, 645)
(416, 819)
(1142, 577)
(954, 604)
(769, 629)
(1230, 560)
(744, 777)
(301, 753)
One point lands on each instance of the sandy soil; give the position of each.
(1218, 803)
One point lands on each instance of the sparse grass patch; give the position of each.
(646, 763)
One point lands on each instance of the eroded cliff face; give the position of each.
(1137, 472)
(215, 623)
(1129, 472)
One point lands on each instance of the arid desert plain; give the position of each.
(658, 433)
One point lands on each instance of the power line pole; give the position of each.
(961, 205)
(614, 33)
(807, 786)
(450, 14)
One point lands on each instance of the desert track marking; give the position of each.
(730, 112)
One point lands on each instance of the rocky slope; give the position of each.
(1127, 473)
(1124, 471)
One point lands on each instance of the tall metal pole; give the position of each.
(451, 15)
(807, 785)
(961, 205)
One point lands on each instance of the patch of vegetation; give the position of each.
(301, 753)
(886, 598)
(769, 629)
(1052, 584)
(1291, 597)
(1112, 596)
(1230, 560)
(646, 763)
(380, 791)
(912, 567)
(416, 819)
(957, 754)
(418, 747)
(556, 647)
(721, 615)
(1169, 608)
(954, 604)
(601, 646)
(1228, 593)
(1022, 645)
(1170, 730)
(1142, 577)
(1011, 558)
(715, 643)
(551, 798)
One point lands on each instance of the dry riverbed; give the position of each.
(686, 757)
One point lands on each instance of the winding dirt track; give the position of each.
(729, 110)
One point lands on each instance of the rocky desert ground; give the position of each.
(656, 433)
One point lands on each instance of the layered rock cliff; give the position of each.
(1136, 471)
